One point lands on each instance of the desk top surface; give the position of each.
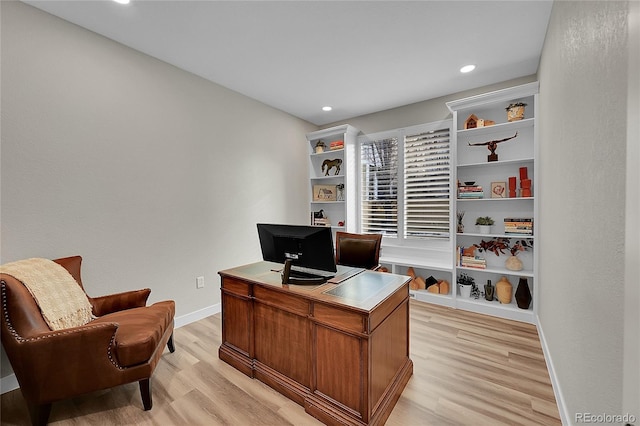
(363, 291)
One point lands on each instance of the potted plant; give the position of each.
(484, 224)
(466, 283)
(515, 111)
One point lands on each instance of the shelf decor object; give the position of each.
(498, 189)
(459, 224)
(484, 224)
(504, 290)
(523, 294)
(324, 193)
(329, 164)
(492, 146)
(488, 291)
(515, 111)
(465, 282)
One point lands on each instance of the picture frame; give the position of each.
(498, 189)
(325, 193)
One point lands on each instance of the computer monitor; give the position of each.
(306, 251)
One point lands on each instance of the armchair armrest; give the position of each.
(65, 360)
(119, 301)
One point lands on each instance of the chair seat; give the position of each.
(140, 331)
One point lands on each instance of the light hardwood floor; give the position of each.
(469, 369)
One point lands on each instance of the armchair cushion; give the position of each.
(140, 331)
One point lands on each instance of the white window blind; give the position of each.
(426, 184)
(379, 202)
(405, 182)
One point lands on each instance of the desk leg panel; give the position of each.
(388, 346)
(282, 342)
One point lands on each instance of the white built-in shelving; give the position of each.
(340, 187)
(472, 165)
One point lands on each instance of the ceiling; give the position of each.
(357, 56)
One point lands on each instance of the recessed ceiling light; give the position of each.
(122, 1)
(326, 108)
(467, 68)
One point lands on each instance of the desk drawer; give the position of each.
(339, 318)
(283, 301)
(238, 287)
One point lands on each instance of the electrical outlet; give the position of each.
(199, 282)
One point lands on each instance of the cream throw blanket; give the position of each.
(61, 300)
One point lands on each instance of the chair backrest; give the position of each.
(358, 250)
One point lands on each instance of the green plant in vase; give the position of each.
(484, 224)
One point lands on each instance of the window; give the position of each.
(408, 168)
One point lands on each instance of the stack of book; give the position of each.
(470, 191)
(515, 226)
(320, 221)
(471, 261)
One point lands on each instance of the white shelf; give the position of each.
(500, 127)
(436, 266)
(466, 200)
(477, 234)
(438, 299)
(327, 177)
(497, 163)
(327, 153)
(501, 271)
(495, 308)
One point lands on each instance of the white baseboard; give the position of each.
(565, 417)
(197, 315)
(9, 383)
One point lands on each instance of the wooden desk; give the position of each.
(339, 350)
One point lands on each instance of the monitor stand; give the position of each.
(287, 277)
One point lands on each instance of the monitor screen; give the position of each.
(302, 247)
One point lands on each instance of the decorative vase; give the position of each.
(484, 229)
(513, 263)
(523, 294)
(504, 290)
(488, 291)
(465, 291)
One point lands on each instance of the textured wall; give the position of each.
(583, 86)
(155, 176)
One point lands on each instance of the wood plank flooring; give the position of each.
(469, 369)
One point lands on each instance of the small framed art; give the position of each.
(498, 189)
(324, 193)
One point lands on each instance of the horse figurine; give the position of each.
(329, 164)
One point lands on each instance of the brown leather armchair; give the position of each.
(123, 345)
(358, 250)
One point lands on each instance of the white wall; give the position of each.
(631, 370)
(421, 112)
(583, 101)
(153, 175)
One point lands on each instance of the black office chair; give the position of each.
(358, 250)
